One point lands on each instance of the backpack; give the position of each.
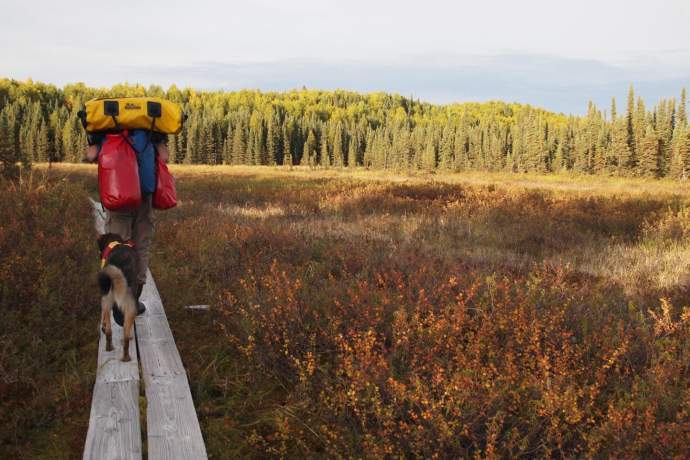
(118, 174)
(146, 160)
(150, 113)
(165, 196)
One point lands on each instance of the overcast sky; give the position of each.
(555, 54)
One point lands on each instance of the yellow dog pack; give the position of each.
(152, 113)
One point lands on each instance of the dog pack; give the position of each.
(150, 113)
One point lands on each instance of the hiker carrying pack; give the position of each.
(128, 137)
(141, 122)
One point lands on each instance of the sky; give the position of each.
(554, 54)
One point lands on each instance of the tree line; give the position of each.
(39, 123)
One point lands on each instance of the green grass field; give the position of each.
(369, 315)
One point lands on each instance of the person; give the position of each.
(136, 225)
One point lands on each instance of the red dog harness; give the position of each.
(108, 249)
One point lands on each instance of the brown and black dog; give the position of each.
(118, 282)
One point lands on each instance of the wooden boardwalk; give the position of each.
(172, 427)
(171, 422)
(114, 431)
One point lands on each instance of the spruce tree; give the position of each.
(445, 153)
(352, 152)
(256, 146)
(620, 150)
(305, 160)
(664, 129)
(559, 162)
(402, 146)
(227, 146)
(680, 157)
(460, 160)
(682, 109)
(272, 141)
(536, 154)
(599, 161)
(287, 147)
(630, 130)
(639, 127)
(207, 151)
(239, 145)
(563, 150)
(368, 157)
(172, 149)
(309, 154)
(325, 157)
(181, 141)
(429, 157)
(42, 145)
(384, 149)
(193, 136)
(649, 154)
(8, 153)
(338, 153)
(57, 121)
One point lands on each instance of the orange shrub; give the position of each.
(425, 360)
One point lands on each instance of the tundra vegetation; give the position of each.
(370, 314)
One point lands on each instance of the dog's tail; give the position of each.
(112, 277)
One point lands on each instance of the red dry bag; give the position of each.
(165, 196)
(118, 174)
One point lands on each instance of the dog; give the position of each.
(119, 286)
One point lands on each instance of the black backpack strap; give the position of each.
(117, 126)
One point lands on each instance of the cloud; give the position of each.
(533, 51)
(556, 83)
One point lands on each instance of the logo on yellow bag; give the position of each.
(130, 106)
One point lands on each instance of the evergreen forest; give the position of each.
(39, 123)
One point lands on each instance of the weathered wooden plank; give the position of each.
(155, 328)
(172, 426)
(114, 424)
(152, 299)
(173, 433)
(114, 430)
(159, 358)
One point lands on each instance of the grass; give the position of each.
(369, 314)
(47, 307)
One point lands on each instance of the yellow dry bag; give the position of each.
(150, 113)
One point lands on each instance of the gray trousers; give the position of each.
(136, 226)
